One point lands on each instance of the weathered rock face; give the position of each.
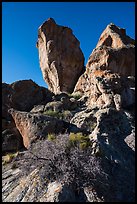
(61, 59)
(114, 138)
(106, 89)
(114, 37)
(21, 95)
(30, 188)
(35, 126)
(106, 79)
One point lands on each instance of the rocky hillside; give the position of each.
(73, 142)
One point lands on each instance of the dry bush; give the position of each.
(57, 160)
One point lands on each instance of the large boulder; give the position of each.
(21, 95)
(110, 70)
(34, 126)
(61, 59)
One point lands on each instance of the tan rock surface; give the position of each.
(61, 59)
(35, 126)
(106, 79)
(114, 36)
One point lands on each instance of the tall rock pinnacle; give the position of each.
(61, 59)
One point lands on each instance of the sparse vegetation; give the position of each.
(51, 137)
(76, 95)
(64, 115)
(73, 165)
(53, 113)
(8, 158)
(79, 139)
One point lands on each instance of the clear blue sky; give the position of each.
(20, 22)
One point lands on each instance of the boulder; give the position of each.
(34, 126)
(61, 59)
(85, 119)
(21, 95)
(11, 140)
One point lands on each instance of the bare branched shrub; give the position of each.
(57, 160)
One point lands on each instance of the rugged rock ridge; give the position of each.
(61, 59)
(107, 80)
(115, 37)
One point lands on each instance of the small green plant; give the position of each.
(76, 95)
(51, 113)
(83, 145)
(79, 139)
(51, 137)
(8, 158)
(65, 115)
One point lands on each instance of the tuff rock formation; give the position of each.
(110, 70)
(90, 154)
(61, 59)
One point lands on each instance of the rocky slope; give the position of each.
(79, 147)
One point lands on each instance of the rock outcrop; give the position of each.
(30, 189)
(35, 126)
(107, 79)
(21, 95)
(61, 59)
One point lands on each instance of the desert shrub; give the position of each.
(51, 137)
(8, 157)
(67, 115)
(53, 113)
(64, 115)
(79, 139)
(57, 161)
(76, 95)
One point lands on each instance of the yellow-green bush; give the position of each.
(60, 115)
(79, 139)
(8, 158)
(51, 137)
(76, 95)
(53, 113)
